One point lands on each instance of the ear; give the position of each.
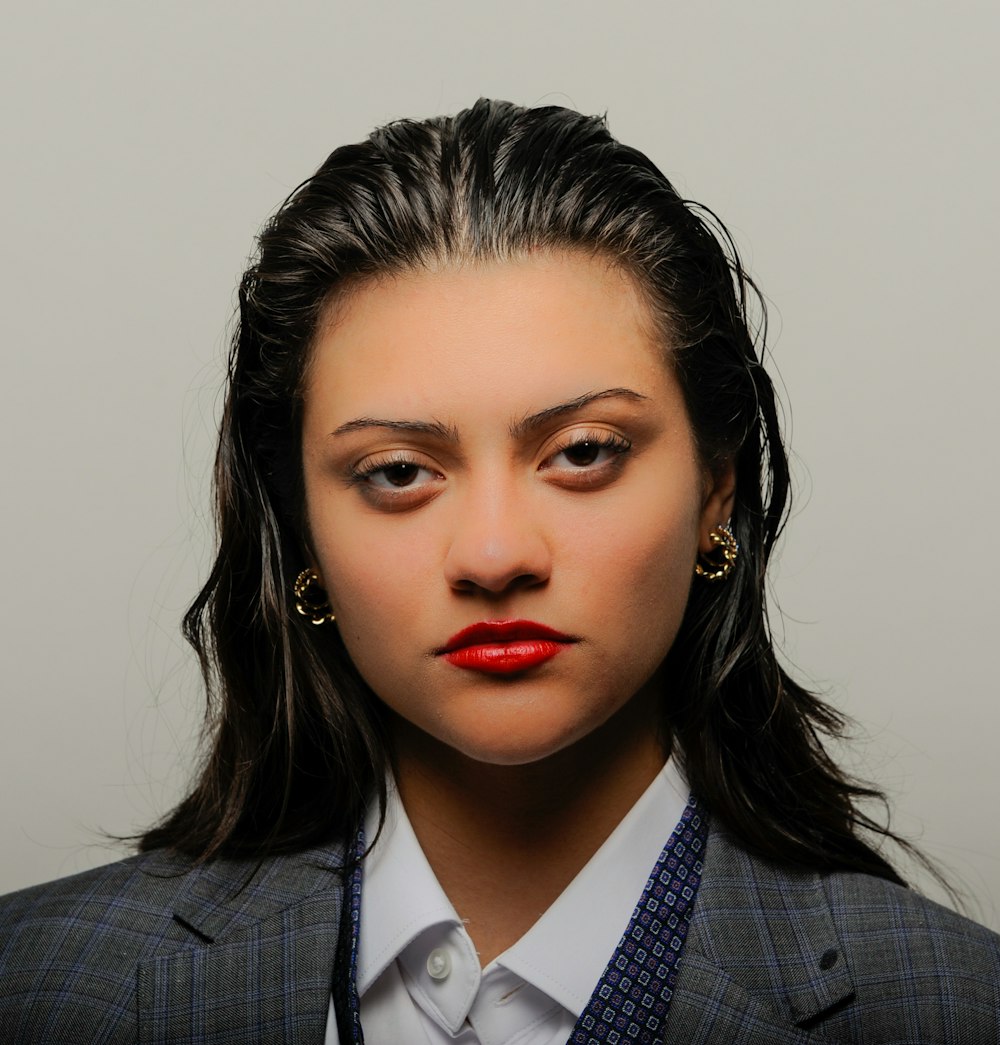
(717, 501)
(310, 559)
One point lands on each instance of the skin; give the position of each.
(491, 504)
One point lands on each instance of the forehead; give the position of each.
(544, 326)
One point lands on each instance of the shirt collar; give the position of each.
(401, 896)
(564, 954)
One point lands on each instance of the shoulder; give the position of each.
(894, 935)
(136, 893)
(70, 950)
(847, 956)
(135, 873)
(129, 902)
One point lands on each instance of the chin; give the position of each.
(511, 755)
(503, 744)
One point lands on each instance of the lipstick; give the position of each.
(504, 647)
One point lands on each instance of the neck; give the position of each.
(504, 841)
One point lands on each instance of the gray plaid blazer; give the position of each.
(150, 950)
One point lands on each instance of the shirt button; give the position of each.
(438, 964)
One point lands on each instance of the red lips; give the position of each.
(504, 647)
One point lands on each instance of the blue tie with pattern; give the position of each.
(633, 996)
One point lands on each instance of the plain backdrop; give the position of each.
(850, 146)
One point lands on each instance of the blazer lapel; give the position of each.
(762, 963)
(711, 1008)
(259, 958)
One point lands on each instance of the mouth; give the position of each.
(504, 647)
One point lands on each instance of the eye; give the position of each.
(587, 458)
(398, 475)
(394, 481)
(586, 452)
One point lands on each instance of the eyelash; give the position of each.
(584, 475)
(397, 459)
(600, 440)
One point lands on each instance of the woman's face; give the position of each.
(502, 445)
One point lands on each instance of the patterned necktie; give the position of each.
(632, 998)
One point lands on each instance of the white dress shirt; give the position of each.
(419, 977)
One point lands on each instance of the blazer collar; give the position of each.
(253, 954)
(762, 951)
(255, 946)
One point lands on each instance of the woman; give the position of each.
(498, 479)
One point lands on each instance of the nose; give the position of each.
(497, 541)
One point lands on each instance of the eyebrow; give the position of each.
(434, 428)
(534, 421)
(520, 428)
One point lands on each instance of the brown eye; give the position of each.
(401, 474)
(583, 453)
(389, 478)
(587, 460)
(589, 451)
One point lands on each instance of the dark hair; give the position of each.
(295, 741)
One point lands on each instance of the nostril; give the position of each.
(494, 564)
(493, 587)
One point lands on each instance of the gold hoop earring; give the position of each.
(310, 598)
(726, 546)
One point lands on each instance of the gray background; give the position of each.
(850, 146)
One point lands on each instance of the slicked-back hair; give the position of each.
(295, 744)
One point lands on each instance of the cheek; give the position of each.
(646, 547)
(368, 583)
(377, 586)
(645, 577)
